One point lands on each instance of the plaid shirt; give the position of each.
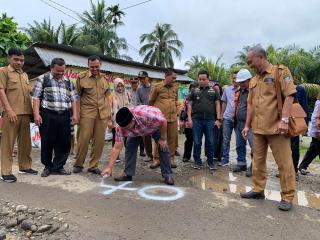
(147, 120)
(57, 95)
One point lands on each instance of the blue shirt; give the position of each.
(228, 98)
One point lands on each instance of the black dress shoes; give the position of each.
(239, 168)
(123, 178)
(169, 180)
(46, 172)
(253, 195)
(61, 171)
(142, 154)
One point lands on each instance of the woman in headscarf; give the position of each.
(119, 99)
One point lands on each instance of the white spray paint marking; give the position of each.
(178, 193)
(117, 188)
(272, 195)
(231, 177)
(173, 194)
(302, 200)
(233, 188)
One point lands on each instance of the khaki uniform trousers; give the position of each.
(90, 129)
(10, 132)
(281, 150)
(172, 142)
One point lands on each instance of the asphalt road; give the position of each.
(209, 206)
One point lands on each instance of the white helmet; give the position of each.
(243, 75)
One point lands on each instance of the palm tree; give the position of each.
(97, 16)
(195, 64)
(68, 34)
(100, 26)
(116, 15)
(43, 32)
(161, 45)
(241, 58)
(4, 16)
(217, 70)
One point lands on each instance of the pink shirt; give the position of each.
(147, 120)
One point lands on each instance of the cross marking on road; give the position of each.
(120, 187)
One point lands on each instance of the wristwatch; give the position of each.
(218, 119)
(285, 120)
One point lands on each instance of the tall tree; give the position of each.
(68, 35)
(43, 32)
(99, 24)
(195, 64)
(161, 44)
(116, 15)
(46, 32)
(10, 37)
(217, 70)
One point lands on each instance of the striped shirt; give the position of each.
(55, 95)
(147, 120)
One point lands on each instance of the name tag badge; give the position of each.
(268, 80)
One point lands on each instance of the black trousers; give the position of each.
(217, 142)
(295, 149)
(55, 134)
(188, 143)
(312, 152)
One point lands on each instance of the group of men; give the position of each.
(55, 107)
(256, 113)
(57, 104)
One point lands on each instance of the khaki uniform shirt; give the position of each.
(17, 88)
(263, 97)
(93, 93)
(165, 98)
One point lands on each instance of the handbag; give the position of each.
(297, 124)
(183, 116)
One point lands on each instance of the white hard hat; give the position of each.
(243, 75)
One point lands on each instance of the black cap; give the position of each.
(124, 117)
(143, 74)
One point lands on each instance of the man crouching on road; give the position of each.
(133, 123)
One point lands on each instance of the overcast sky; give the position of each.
(206, 27)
